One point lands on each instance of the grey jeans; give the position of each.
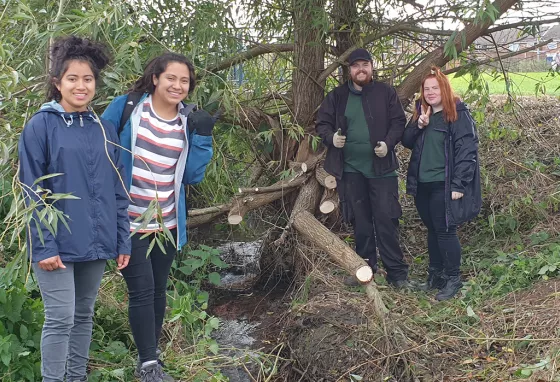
(69, 298)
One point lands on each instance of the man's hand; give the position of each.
(456, 195)
(424, 118)
(338, 140)
(51, 263)
(381, 149)
(122, 261)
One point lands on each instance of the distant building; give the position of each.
(513, 40)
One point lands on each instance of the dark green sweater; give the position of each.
(358, 150)
(432, 162)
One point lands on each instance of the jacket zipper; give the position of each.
(81, 121)
(446, 189)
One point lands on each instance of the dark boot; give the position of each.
(435, 280)
(452, 286)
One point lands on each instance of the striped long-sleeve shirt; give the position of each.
(159, 143)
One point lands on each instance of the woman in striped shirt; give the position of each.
(166, 145)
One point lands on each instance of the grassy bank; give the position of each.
(522, 83)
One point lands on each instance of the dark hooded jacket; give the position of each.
(77, 147)
(385, 119)
(462, 168)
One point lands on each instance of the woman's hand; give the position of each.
(456, 195)
(51, 263)
(424, 118)
(122, 261)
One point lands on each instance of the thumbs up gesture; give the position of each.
(424, 118)
(338, 139)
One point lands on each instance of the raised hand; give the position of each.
(424, 118)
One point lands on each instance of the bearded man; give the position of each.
(361, 122)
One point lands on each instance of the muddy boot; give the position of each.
(165, 377)
(435, 280)
(151, 373)
(403, 284)
(452, 286)
(139, 364)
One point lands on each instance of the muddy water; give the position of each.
(249, 323)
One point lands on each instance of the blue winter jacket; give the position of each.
(73, 144)
(191, 165)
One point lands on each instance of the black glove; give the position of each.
(201, 122)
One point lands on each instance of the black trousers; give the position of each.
(376, 212)
(443, 244)
(146, 278)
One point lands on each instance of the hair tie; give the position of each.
(433, 71)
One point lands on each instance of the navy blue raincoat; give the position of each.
(76, 145)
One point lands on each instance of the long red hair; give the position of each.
(448, 98)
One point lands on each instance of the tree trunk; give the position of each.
(309, 55)
(316, 233)
(345, 15)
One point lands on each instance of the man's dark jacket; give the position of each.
(384, 116)
(462, 167)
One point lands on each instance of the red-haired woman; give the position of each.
(443, 176)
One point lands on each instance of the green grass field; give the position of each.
(523, 83)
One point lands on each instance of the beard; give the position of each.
(361, 82)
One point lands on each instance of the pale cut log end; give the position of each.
(327, 207)
(330, 182)
(234, 219)
(364, 274)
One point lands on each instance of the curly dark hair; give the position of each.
(67, 49)
(156, 66)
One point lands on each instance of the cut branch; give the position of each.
(297, 166)
(324, 178)
(209, 210)
(245, 204)
(316, 233)
(195, 221)
(329, 201)
(282, 185)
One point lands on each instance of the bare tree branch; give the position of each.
(522, 24)
(251, 53)
(438, 57)
(494, 59)
(368, 39)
